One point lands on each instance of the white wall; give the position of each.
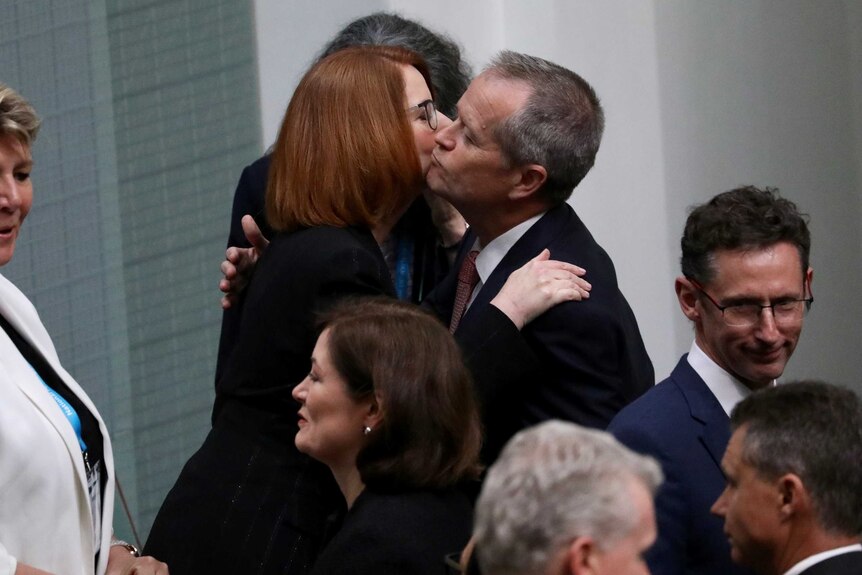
(699, 97)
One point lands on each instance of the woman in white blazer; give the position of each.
(56, 466)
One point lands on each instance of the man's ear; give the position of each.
(582, 557)
(686, 294)
(794, 498)
(809, 277)
(528, 180)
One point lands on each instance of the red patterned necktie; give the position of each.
(468, 277)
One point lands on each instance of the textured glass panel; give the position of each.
(149, 112)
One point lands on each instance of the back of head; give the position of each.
(449, 74)
(813, 430)
(553, 483)
(17, 116)
(430, 433)
(345, 153)
(559, 128)
(742, 218)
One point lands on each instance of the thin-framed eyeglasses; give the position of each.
(429, 113)
(785, 312)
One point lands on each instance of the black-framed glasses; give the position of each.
(785, 312)
(428, 111)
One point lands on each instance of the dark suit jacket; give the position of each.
(580, 361)
(398, 534)
(248, 501)
(845, 564)
(682, 424)
(430, 262)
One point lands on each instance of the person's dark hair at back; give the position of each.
(408, 361)
(450, 75)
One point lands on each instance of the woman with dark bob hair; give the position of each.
(350, 158)
(388, 406)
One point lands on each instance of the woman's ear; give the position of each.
(374, 417)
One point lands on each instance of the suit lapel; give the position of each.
(705, 409)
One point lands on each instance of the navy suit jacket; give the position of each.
(580, 361)
(844, 564)
(682, 424)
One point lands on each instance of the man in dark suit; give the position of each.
(793, 501)
(527, 133)
(746, 286)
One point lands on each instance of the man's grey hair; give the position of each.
(814, 431)
(450, 75)
(560, 127)
(553, 483)
(17, 116)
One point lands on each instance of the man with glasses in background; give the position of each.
(746, 286)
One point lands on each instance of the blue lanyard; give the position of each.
(404, 256)
(67, 410)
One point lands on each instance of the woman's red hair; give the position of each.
(345, 154)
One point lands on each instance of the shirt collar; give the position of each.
(818, 557)
(491, 255)
(727, 389)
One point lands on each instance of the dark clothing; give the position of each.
(579, 361)
(681, 423)
(429, 262)
(845, 564)
(248, 501)
(398, 534)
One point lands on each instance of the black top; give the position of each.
(430, 263)
(248, 502)
(398, 534)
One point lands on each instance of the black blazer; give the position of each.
(430, 262)
(398, 533)
(248, 501)
(845, 564)
(580, 361)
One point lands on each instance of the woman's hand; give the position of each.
(121, 562)
(539, 285)
(239, 263)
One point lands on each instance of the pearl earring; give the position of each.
(366, 430)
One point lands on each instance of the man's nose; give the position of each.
(767, 328)
(444, 137)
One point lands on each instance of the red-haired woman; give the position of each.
(350, 158)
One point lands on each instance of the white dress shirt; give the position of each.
(727, 389)
(491, 255)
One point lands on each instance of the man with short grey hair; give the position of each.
(527, 133)
(793, 500)
(563, 499)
